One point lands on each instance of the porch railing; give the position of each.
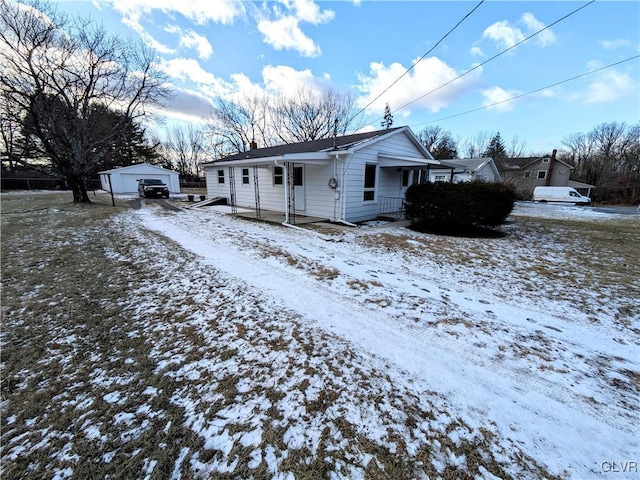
(391, 206)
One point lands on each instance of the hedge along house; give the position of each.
(125, 179)
(350, 178)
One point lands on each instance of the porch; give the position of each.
(271, 216)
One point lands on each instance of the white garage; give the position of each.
(125, 179)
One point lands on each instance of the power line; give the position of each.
(418, 61)
(492, 58)
(530, 92)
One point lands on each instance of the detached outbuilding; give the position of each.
(125, 179)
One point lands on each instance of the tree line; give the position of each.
(73, 99)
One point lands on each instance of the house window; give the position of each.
(542, 174)
(278, 176)
(220, 176)
(245, 176)
(527, 174)
(545, 160)
(369, 182)
(441, 178)
(405, 178)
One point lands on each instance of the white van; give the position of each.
(559, 195)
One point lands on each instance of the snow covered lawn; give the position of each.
(151, 343)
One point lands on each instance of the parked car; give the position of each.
(152, 187)
(559, 195)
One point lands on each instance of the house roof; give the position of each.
(138, 166)
(471, 163)
(575, 184)
(304, 150)
(522, 163)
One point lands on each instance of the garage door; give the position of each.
(130, 182)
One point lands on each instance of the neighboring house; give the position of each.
(527, 173)
(467, 170)
(351, 178)
(125, 179)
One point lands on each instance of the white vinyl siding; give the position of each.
(389, 179)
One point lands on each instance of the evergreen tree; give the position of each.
(496, 148)
(388, 118)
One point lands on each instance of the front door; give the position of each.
(298, 185)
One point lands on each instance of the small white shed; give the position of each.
(125, 179)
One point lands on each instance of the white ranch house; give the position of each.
(350, 178)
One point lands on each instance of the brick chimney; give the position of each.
(552, 161)
(253, 145)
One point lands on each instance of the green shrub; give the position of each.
(458, 205)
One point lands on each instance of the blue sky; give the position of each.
(220, 48)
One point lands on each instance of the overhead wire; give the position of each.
(490, 59)
(419, 60)
(530, 92)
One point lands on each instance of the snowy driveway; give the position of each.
(523, 359)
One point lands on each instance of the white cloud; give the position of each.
(146, 37)
(496, 94)
(191, 40)
(186, 104)
(282, 79)
(477, 52)
(188, 69)
(610, 86)
(503, 34)
(309, 11)
(613, 44)
(544, 38)
(198, 11)
(506, 35)
(285, 33)
(426, 76)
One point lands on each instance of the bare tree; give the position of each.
(184, 151)
(307, 115)
(609, 157)
(9, 134)
(301, 116)
(515, 147)
(439, 142)
(475, 146)
(56, 71)
(430, 135)
(234, 125)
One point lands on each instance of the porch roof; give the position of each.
(574, 184)
(313, 158)
(387, 160)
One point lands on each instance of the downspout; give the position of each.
(343, 193)
(285, 173)
(336, 193)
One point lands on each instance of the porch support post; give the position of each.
(285, 174)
